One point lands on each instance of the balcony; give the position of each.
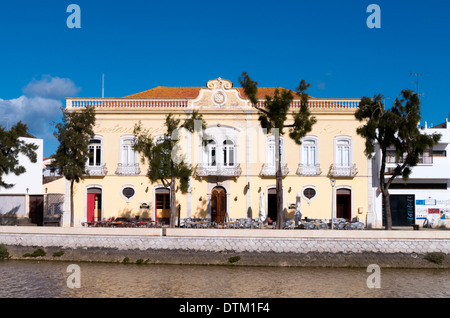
(309, 170)
(128, 169)
(97, 171)
(343, 171)
(270, 170)
(203, 170)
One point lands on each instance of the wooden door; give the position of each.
(36, 213)
(162, 207)
(218, 204)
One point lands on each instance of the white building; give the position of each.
(24, 201)
(29, 182)
(425, 198)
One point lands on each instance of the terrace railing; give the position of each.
(204, 170)
(112, 103)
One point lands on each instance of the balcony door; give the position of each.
(218, 204)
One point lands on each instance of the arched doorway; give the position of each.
(344, 203)
(271, 205)
(162, 206)
(94, 204)
(218, 204)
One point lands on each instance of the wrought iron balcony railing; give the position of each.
(127, 169)
(97, 171)
(268, 170)
(204, 170)
(309, 170)
(343, 171)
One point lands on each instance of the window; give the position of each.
(309, 152)
(211, 153)
(128, 192)
(391, 156)
(427, 157)
(309, 193)
(228, 153)
(95, 153)
(219, 150)
(128, 155)
(343, 158)
(271, 151)
(439, 153)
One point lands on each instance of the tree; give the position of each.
(165, 162)
(74, 134)
(394, 128)
(273, 116)
(10, 149)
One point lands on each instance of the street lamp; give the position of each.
(333, 183)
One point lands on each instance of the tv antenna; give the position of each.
(417, 75)
(103, 85)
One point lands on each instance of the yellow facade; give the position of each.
(229, 117)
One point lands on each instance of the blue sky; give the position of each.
(143, 44)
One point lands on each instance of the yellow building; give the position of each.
(234, 172)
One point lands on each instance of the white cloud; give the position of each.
(39, 107)
(51, 87)
(36, 112)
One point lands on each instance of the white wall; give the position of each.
(32, 178)
(438, 172)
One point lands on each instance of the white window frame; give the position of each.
(208, 153)
(228, 152)
(95, 146)
(305, 197)
(343, 145)
(270, 154)
(128, 186)
(131, 153)
(313, 150)
(219, 135)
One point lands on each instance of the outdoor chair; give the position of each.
(187, 222)
(289, 224)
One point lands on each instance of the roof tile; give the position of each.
(165, 92)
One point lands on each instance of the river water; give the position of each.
(36, 279)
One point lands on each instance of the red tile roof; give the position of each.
(168, 92)
(165, 92)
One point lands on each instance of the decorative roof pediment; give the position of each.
(219, 93)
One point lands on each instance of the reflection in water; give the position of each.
(49, 279)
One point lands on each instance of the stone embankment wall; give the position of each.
(407, 249)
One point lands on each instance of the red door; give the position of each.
(90, 207)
